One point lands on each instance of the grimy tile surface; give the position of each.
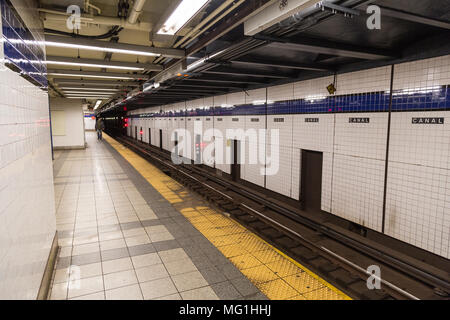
(120, 239)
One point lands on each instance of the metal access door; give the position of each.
(311, 181)
(160, 139)
(235, 160)
(198, 149)
(149, 136)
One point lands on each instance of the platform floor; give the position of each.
(128, 231)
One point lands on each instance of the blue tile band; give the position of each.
(20, 47)
(426, 99)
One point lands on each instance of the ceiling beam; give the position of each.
(242, 73)
(287, 65)
(402, 15)
(326, 47)
(206, 86)
(221, 80)
(90, 74)
(124, 65)
(97, 83)
(97, 45)
(176, 89)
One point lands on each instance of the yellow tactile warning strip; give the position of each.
(275, 274)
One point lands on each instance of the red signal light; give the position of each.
(126, 125)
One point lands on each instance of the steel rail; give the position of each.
(334, 235)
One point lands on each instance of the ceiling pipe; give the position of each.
(136, 11)
(53, 15)
(222, 7)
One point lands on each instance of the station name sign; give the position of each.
(428, 120)
(311, 119)
(359, 120)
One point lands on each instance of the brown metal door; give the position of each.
(311, 180)
(235, 157)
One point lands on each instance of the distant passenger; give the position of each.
(99, 126)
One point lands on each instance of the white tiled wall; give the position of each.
(422, 74)
(281, 182)
(27, 204)
(74, 123)
(418, 201)
(373, 80)
(358, 187)
(252, 172)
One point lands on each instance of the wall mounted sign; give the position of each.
(428, 120)
(359, 120)
(312, 120)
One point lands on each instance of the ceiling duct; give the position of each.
(275, 13)
(136, 11)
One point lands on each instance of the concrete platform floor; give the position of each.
(128, 231)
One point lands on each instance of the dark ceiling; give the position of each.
(320, 44)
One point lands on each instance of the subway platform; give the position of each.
(127, 231)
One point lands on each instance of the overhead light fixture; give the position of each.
(90, 98)
(68, 74)
(99, 102)
(91, 65)
(89, 92)
(88, 95)
(89, 88)
(155, 85)
(95, 48)
(185, 11)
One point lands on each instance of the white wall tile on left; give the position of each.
(27, 202)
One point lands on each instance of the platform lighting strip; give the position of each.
(97, 104)
(89, 92)
(90, 89)
(88, 95)
(89, 76)
(80, 98)
(82, 47)
(79, 64)
(185, 11)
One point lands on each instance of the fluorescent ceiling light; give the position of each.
(99, 102)
(88, 95)
(88, 75)
(89, 92)
(185, 11)
(88, 88)
(94, 48)
(78, 64)
(92, 98)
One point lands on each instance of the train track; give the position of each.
(335, 256)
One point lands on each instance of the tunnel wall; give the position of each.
(351, 129)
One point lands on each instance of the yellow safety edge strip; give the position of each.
(271, 293)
